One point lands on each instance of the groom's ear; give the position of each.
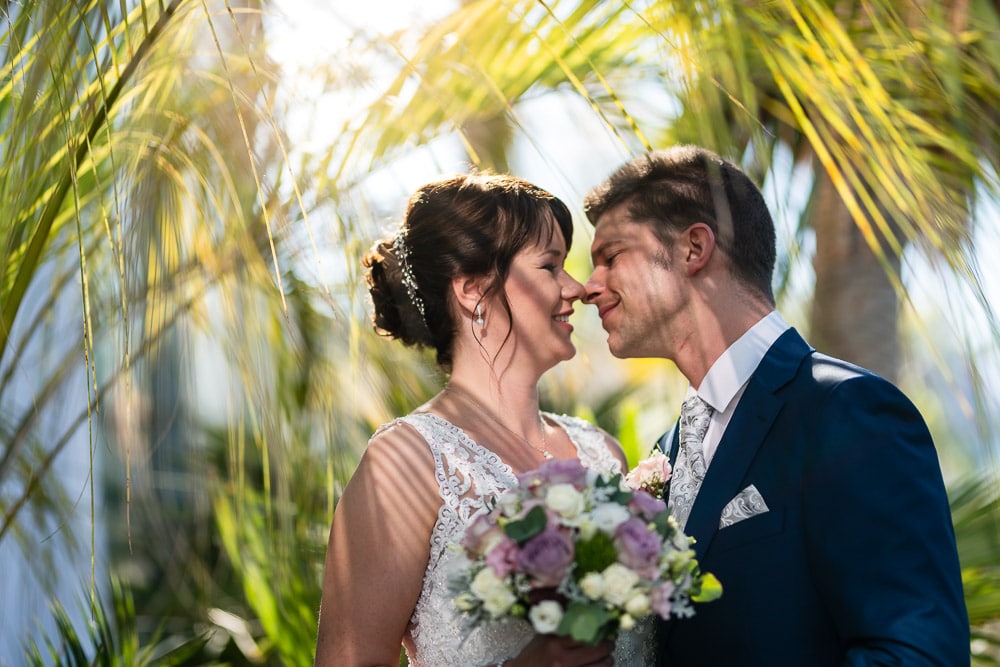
(468, 292)
(698, 245)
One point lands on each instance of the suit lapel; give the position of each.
(744, 435)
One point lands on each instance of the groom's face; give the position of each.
(637, 294)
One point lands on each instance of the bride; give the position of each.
(476, 273)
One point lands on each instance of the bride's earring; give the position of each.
(479, 316)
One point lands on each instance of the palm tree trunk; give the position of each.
(855, 306)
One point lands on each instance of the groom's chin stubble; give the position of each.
(625, 349)
(616, 350)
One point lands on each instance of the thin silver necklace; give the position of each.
(479, 406)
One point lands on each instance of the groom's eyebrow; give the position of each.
(602, 248)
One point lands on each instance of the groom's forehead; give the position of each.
(620, 230)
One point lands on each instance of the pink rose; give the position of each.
(481, 533)
(546, 557)
(660, 599)
(651, 474)
(638, 546)
(503, 557)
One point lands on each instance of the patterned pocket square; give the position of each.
(746, 504)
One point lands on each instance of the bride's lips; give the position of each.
(563, 319)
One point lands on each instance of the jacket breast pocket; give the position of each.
(750, 530)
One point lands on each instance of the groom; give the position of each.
(811, 486)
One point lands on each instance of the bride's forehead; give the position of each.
(549, 236)
(553, 247)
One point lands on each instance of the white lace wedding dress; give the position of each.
(469, 475)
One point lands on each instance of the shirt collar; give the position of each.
(733, 369)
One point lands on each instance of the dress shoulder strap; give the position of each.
(590, 443)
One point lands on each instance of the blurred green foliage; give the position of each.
(180, 289)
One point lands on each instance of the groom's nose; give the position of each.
(594, 286)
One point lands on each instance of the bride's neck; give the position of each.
(514, 403)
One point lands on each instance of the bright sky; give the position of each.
(318, 28)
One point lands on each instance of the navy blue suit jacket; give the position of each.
(855, 561)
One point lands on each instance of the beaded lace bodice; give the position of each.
(468, 476)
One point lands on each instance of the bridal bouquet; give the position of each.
(578, 554)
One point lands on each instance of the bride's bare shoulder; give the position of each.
(397, 450)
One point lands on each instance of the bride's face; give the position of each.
(541, 296)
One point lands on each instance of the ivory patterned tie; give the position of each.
(689, 468)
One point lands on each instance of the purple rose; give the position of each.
(638, 546)
(503, 557)
(647, 505)
(555, 471)
(546, 557)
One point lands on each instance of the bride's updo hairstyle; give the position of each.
(471, 225)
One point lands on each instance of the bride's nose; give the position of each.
(572, 289)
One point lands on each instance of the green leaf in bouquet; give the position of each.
(524, 529)
(683, 566)
(615, 481)
(594, 554)
(662, 524)
(589, 623)
(710, 589)
(621, 494)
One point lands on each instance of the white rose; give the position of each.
(546, 616)
(592, 585)
(637, 605)
(485, 583)
(618, 583)
(508, 503)
(609, 516)
(498, 602)
(492, 539)
(626, 622)
(564, 500)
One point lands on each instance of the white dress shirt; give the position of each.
(727, 379)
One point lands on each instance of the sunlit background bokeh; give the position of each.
(188, 375)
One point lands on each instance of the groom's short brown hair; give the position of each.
(674, 188)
